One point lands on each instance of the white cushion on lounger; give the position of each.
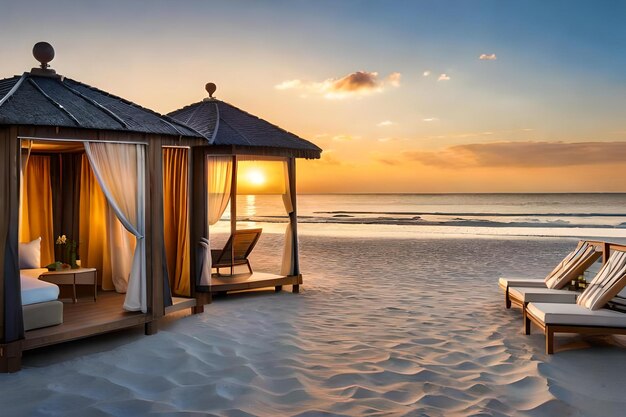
(521, 282)
(575, 315)
(542, 295)
(34, 290)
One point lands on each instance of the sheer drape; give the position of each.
(36, 216)
(176, 218)
(104, 243)
(219, 171)
(120, 171)
(288, 263)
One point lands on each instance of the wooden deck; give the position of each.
(88, 318)
(247, 281)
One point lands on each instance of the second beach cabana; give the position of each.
(236, 137)
(80, 162)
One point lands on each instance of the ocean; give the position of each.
(405, 215)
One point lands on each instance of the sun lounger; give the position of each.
(573, 265)
(587, 316)
(236, 250)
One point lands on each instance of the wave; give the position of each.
(418, 221)
(474, 214)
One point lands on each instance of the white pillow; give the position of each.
(30, 254)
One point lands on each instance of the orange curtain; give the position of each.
(94, 246)
(36, 213)
(176, 218)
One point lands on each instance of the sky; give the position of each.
(403, 96)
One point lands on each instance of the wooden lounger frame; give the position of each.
(235, 252)
(512, 300)
(550, 329)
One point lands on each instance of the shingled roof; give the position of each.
(56, 101)
(227, 125)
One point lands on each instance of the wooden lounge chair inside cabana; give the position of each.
(236, 250)
(521, 291)
(588, 315)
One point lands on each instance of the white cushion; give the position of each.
(575, 315)
(30, 254)
(542, 295)
(521, 282)
(34, 290)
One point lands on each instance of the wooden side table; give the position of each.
(73, 277)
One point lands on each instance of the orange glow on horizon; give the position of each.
(260, 177)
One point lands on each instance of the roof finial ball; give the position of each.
(210, 88)
(44, 53)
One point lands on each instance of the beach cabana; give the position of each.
(236, 136)
(80, 162)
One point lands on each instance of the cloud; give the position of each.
(522, 154)
(443, 77)
(487, 57)
(390, 139)
(286, 85)
(385, 123)
(426, 73)
(356, 84)
(430, 119)
(329, 157)
(388, 161)
(345, 138)
(394, 79)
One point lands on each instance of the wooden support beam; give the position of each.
(549, 340)
(11, 357)
(233, 211)
(151, 327)
(198, 212)
(293, 217)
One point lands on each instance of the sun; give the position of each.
(256, 177)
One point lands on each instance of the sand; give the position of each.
(383, 327)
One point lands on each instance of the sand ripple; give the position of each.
(386, 328)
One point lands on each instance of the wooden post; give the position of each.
(293, 219)
(606, 249)
(11, 357)
(549, 340)
(154, 229)
(12, 326)
(11, 321)
(233, 213)
(198, 213)
(151, 327)
(526, 321)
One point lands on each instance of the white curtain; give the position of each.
(220, 171)
(220, 175)
(121, 249)
(205, 262)
(288, 263)
(120, 171)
